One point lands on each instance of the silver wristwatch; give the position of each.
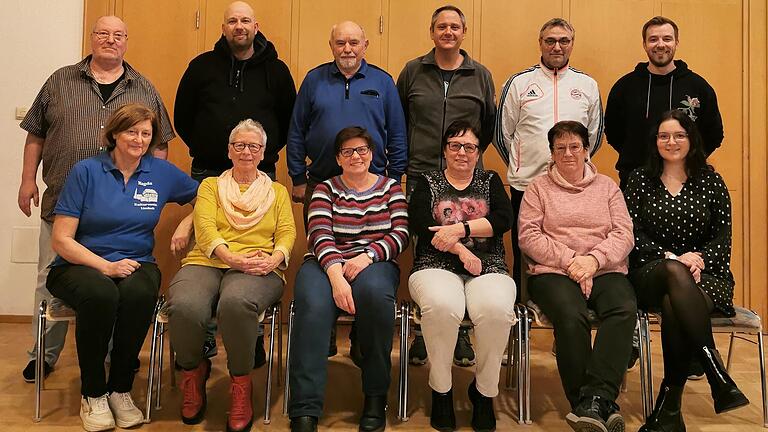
(371, 255)
(672, 256)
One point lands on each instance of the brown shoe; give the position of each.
(193, 389)
(240, 406)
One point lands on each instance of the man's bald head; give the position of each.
(348, 45)
(348, 27)
(240, 7)
(111, 21)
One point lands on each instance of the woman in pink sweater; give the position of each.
(576, 233)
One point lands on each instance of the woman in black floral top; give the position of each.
(459, 216)
(681, 262)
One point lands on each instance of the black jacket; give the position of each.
(637, 101)
(216, 92)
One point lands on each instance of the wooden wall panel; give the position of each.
(92, 10)
(316, 17)
(595, 50)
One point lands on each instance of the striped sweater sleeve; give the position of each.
(393, 243)
(320, 236)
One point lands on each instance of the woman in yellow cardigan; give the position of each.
(244, 233)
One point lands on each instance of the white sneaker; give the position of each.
(125, 411)
(95, 414)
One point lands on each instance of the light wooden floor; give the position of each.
(343, 405)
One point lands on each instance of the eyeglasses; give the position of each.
(564, 42)
(468, 148)
(362, 151)
(678, 136)
(252, 147)
(574, 149)
(104, 36)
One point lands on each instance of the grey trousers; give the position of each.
(55, 332)
(237, 299)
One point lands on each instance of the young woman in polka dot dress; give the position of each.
(681, 262)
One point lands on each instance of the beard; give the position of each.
(347, 63)
(662, 61)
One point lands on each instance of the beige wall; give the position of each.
(723, 40)
(33, 44)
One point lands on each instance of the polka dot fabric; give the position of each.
(698, 219)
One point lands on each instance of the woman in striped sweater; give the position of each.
(357, 225)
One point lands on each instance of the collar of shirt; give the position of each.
(85, 69)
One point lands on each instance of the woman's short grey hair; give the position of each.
(249, 125)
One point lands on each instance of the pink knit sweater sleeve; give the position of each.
(536, 244)
(612, 252)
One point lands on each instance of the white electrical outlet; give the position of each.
(21, 112)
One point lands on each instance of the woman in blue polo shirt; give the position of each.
(103, 235)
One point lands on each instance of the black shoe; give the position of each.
(29, 372)
(417, 354)
(695, 370)
(304, 424)
(463, 354)
(483, 416)
(595, 414)
(374, 417)
(442, 417)
(332, 349)
(666, 415)
(209, 348)
(259, 357)
(725, 394)
(633, 357)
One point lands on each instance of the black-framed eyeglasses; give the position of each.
(677, 136)
(104, 35)
(564, 42)
(468, 148)
(362, 151)
(252, 147)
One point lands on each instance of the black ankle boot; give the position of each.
(724, 391)
(483, 416)
(304, 424)
(666, 415)
(442, 417)
(374, 418)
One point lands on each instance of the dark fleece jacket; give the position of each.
(216, 92)
(637, 101)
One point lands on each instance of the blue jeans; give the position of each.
(373, 292)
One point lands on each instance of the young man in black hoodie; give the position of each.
(638, 99)
(241, 78)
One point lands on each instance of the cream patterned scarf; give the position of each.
(245, 209)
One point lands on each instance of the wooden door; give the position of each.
(162, 38)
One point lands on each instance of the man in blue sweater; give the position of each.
(345, 92)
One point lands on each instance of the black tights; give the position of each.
(685, 315)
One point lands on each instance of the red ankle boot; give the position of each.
(193, 389)
(240, 406)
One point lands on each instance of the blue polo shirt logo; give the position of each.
(146, 200)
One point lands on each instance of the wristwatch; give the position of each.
(371, 255)
(672, 256)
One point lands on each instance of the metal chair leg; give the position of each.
(643, 367)
(520, 362)
(286, 390)
(508, 367)
(761, 353)
(160, 361)
(40, 358)
(730, 350)
(267, 404)
(405, 326)
(527, 366)
(152, 357)
(172, 362)
(279, 317)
